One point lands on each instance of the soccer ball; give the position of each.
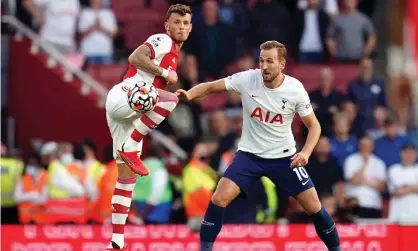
(142, 97)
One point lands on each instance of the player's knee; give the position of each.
(221, 199)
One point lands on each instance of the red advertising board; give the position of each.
(362, 237)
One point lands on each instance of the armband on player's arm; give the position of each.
(204, 89)
(141, 59)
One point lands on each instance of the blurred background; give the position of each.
(357, 59)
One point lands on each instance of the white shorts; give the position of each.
(120, 117)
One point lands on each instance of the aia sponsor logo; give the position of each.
(266, 117)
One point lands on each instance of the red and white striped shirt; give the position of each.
(163, 53)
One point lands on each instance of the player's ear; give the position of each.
(282, 64)
(166, 26)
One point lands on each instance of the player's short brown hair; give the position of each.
(281, 49)
(180, 9)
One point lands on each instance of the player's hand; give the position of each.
(182, 94)
(299, 159)
(172, 77)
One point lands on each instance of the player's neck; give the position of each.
(178, 45)
(278, 81)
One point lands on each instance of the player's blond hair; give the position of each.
(180, 9)
(281, 49)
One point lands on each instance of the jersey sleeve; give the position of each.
(159, 45)
(237, 81)
(303, 105)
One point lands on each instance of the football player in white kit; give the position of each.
(267, 147)
(154, 62)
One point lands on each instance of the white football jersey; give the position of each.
(268, 113)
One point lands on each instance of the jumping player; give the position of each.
(153, 62)
(267, 147)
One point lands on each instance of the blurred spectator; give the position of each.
(413, 136)
(152, 196)
(58, 22)
(61, 184)
(323, 162)
(199, 181)
(11, 171)
(326, 100)
(184, 122)
(97, 27)
(366, 175)
(219, 125)
(234, 105)
(86, 152)
(380, 115)
(188, 71)
(77, 170)
(311, 25)
(28, 13)
(234, 13)
(103, 207)
(350, 111)
(268, 21)
(228, 130)
(342, 143)
(31, 192)
(328, 6)
(403, 187)
(388, 146)
(351, 35)
(368, 92)
(212, 41)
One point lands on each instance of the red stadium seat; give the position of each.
(108, 75)
(308, 75)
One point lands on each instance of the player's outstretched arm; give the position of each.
(202, 90)
(141, 59)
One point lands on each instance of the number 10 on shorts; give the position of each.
(301, 173)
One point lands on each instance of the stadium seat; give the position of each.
(308, 75)
(135, 36)
(108, 75)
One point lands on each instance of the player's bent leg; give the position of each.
(144, 125)
(324, 224)
(212, 222)
(225, 192)
(121, 203)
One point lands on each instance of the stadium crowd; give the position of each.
(364, 166)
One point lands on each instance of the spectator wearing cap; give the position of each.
(61, 185)
(403, 187)
(366, 177)
(368, 92)
(388, 146)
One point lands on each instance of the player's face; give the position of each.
(179, 27)
(270, 64)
